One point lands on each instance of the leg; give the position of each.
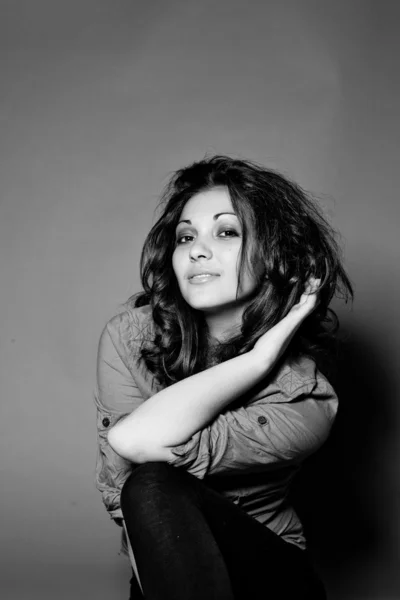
(175, 551)
(190, 542)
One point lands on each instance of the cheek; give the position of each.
(249, 280)
(230, 255)
(249, 276)
(177, 264)
(174, 264)
(233, 261)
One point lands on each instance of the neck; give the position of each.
(223, 325)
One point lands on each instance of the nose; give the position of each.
(198, 249)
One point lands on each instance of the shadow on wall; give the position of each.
(344, 493)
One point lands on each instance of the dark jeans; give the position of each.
(191, 543)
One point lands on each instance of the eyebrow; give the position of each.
(215, 217)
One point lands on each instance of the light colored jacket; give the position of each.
(250, 453)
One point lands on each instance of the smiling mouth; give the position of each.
(202, 277)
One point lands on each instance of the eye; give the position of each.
(231, 233)
(179, 240)
(187, 237)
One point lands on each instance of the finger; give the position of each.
(312, 285)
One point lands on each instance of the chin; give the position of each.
(203, 306)
(210, 306)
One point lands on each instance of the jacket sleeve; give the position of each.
(275, 428)
(116, 396)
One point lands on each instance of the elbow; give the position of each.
(138, 452)
(123, 447)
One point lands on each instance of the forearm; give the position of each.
(173, 415)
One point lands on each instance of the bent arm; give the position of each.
(283, 426)
(173, 415)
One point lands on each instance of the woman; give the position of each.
(217, 370)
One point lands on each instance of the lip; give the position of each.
(198, 273)
(201, 278)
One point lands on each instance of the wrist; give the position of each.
(272, 344)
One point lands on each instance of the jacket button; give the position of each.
(106, 422)
(262, 420)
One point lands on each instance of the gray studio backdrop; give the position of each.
(100, 101)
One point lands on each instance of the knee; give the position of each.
(147, 472)
(144, 480)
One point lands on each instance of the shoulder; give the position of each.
(299, 375)
(128, 329)
(300, 400)
(296, 381)
(307, 391)
(136, 323)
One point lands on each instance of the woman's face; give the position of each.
(207, 254)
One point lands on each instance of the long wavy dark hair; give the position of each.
(290, 241)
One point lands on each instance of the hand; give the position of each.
(308, 300)
(271, 345)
